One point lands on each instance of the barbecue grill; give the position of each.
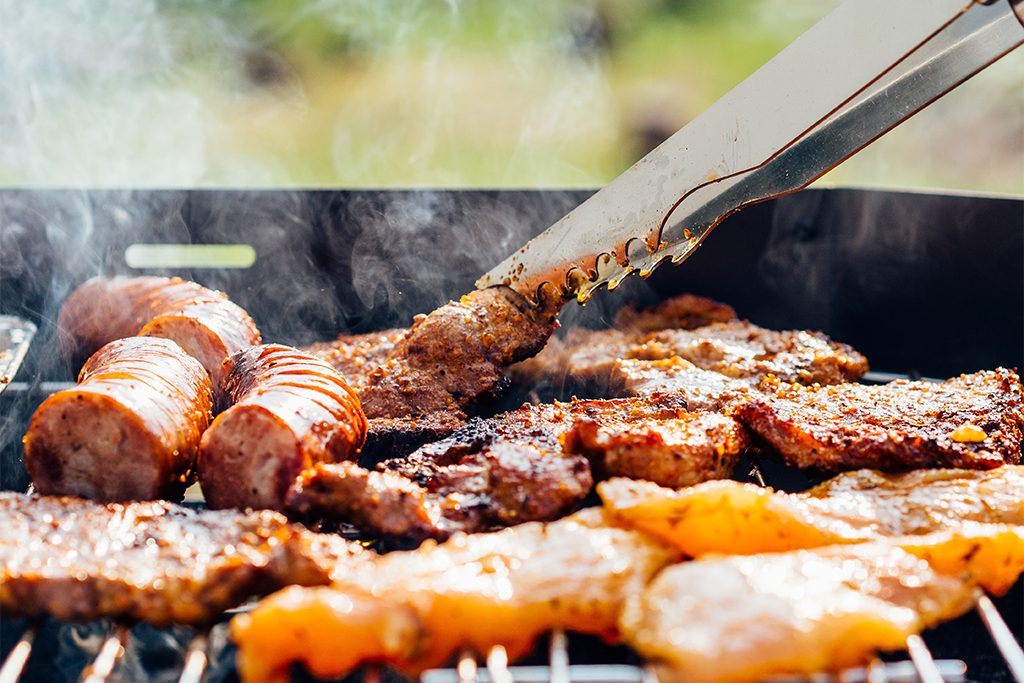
(924, 284)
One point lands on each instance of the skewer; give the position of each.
(559, 657)
(467, 667)
(923, 661)
(876, 672)
(112, 648)
(195, 661)
(1008, 646)
(497, 665)
(14, 665)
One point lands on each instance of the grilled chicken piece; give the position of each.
(916, 510)
(129, 430)
(290, 411)
(416, 609)
(745, 618)
(971, 421)
(202, 321)
(534, 463)
(155, 561)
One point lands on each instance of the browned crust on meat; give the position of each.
(686, 311)
(291, 411)
(675, 452)
(153, 561)
(129, 430)
(972, 421)
(202, 321)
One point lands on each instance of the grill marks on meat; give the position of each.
(416, 609)
(155, 561)
(291, 410)
(746, 618)
(972, 421)
(202, 321)
(129, 430)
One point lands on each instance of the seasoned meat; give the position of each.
(746, 618)
(507, 484)
(701, 389)
(686, 312)
(960, 520)
(290, 410)
(971, 421)
(447, 360)
(155, 561)
(203, 322)
(129, 430)
(416, 609)
(673, 452)
(639, 356)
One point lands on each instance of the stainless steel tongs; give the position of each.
(856, 74)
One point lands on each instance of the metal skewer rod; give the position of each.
(104, 663)
(467, 667)
(559, 657)
(1003, 637)
(923, 660)
(195, 661)
(497, 665)
(18, 657)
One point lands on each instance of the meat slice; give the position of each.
(417, 609)
(446, 361)
(129, 430)
(747, 618)
(673, 452)
(701, 389)
(645, 353)
(153, 561)
(202, 321)
(290, 411)
(972, 421)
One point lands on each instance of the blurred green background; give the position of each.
(407, 93)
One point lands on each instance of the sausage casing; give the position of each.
(202, 321)
(291, 410)
(129, 431)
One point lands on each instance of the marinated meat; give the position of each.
(202, 321)
(416, 609)
(290, 411)
(746, 618)
(507, 484)
(421, 379)
(129, 430)
(686, 312)
(971, 421)
(918, 511)
(154, 561)
(701, 389)
(638, 351)
(673, 452)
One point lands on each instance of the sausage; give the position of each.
(291, 410)
(202, 321)
(129, 431)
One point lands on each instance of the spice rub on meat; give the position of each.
(533, 463)
(153, 561)
(705, 335)
(447, 360)
(972, 421)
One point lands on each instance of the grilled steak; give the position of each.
(746, 618)
(416, 609)
(291, 410)
(971, 421)
(129, 430)
(447, 360)
(153, 561)
(203, 322)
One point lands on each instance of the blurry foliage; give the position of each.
(527, 93)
